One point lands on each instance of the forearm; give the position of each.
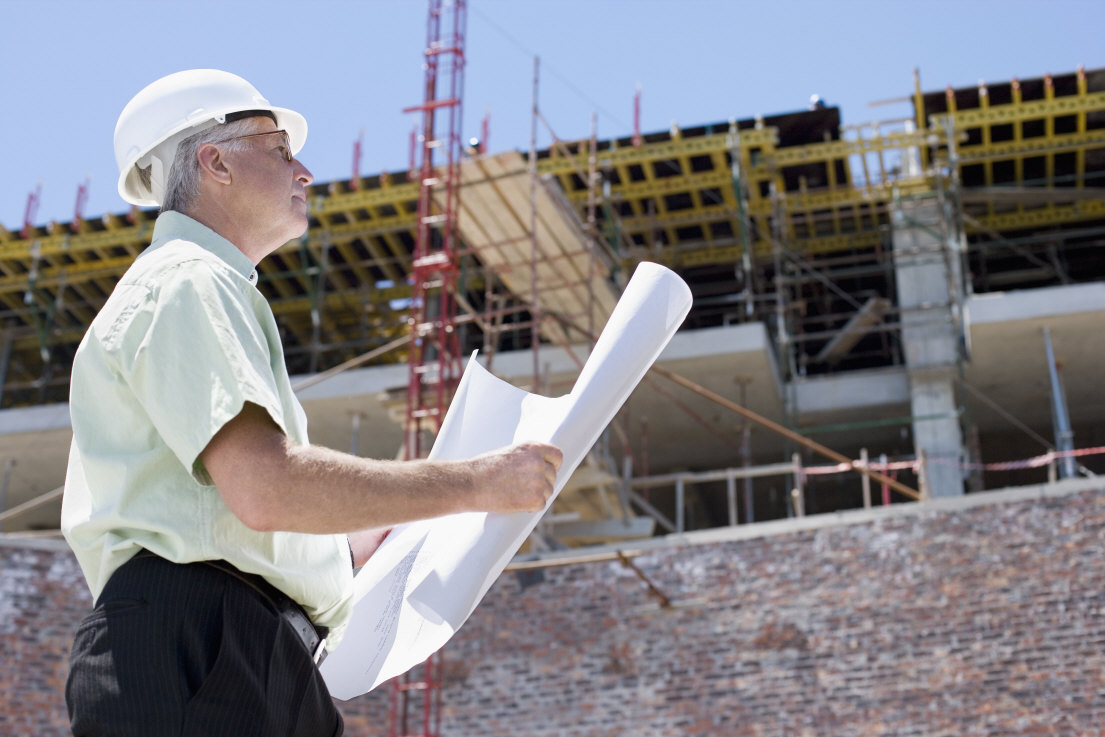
(364, 543)
(318, 490)
(272, 484)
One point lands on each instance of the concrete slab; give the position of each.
(1007, 357)
(668, 428)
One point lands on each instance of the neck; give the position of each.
(244, 238)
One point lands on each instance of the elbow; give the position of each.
(248, 462)
(253, 493)
(258, 519)
(252, 511)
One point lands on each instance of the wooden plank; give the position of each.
(496, 221)
(567, 250)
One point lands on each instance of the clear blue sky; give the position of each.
(69, 66)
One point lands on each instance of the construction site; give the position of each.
(860, 492)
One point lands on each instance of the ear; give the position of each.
(212, 164)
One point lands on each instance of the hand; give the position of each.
(518, 478)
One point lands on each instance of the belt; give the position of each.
(314, 638)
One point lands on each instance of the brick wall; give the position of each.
(977, 616)
(42, 598)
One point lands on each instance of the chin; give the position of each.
(299, 227)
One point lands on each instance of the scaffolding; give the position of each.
(434, 365)
(780, 220)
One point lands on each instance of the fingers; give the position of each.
(549, 453)
(551, 459)
(521, 478)
(552, 455)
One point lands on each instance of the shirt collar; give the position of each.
(172, 225)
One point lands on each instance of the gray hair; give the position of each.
(183, 185)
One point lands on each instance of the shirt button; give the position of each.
(253, 277)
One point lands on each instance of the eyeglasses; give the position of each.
(286, 149)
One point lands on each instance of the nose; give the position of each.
(302, 173)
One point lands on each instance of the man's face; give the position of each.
(269, 185)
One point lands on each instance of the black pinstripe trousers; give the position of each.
(189, 650)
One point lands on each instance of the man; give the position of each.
(217, 542)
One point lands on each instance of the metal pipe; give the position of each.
(5, 364)
(38, 501)
(570, 560)
(885, 488)
(8, 464)
(351, 363)
(790, 434)
(798, 493)
(1064, 435)
(535, 330)
(652, 511)
(680, 498)
(746, 455)
(699, 477)
(731, 497)
(592, 227)
(355, 435)
(866, 480)
(665, 602)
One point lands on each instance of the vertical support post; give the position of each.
(7, 337)
(798, 493)
(733, 141)
(923, 483)
(592, 227)
(434, 361)
(1064, 435)
(927, 280)
(885, 487)
(749, 502)
(680, 513)
(976, 482)
(358, 145)
(865, 479)
(919, 111)
(316, 283)
(637, 140)
(535, 306)
(782, 331)
(746, 452)
(355, 435)
(30, 212)
(1080, 156)
(8, 464)
(731, 498)
(78, 208)
(625, 486)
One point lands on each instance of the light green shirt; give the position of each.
(184, 341)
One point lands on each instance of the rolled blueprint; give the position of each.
(429, 576)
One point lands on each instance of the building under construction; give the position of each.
(898, 311)
(921, 293)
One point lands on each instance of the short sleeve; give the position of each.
(195, 354)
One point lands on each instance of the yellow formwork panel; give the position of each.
(1020, 111)
(1054, 144)
(830, 196)
(1042, 217)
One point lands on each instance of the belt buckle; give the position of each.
(320, 652)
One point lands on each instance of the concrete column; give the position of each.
(928, 278)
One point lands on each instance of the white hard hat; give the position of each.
(169, 110)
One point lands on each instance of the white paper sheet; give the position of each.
(429, 576)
